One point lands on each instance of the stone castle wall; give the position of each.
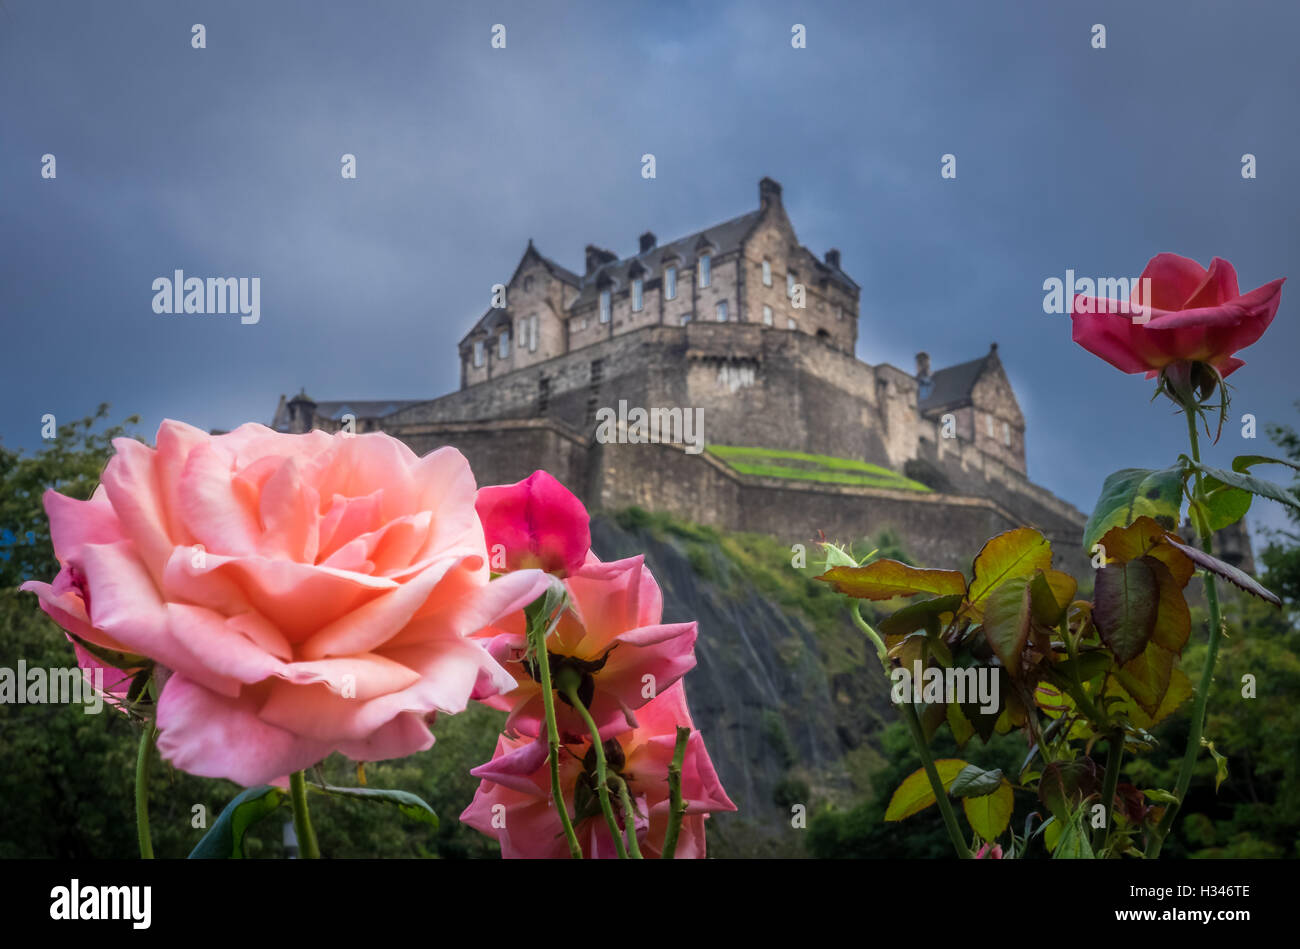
(757, 386)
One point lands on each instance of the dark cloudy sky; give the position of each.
(225, 161)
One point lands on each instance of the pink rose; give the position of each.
(526, 824)
(304, 594)
(1196, 315)
(537, 522)
(612, 636)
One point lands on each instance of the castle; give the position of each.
(745, 326)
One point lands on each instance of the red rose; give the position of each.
(1193, 315)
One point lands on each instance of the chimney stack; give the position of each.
(647, 241)
(922, 366)
(597, 257)
(769, 194)
(833, 258)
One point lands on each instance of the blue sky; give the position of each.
(225, 161)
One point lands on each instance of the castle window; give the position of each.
(722, 311)
(767, 316)
(503, 346)
(790, 323)
(528, 284)
(604, 306)
(705, 269)
(637, 286)
(789, 283)
(989, 426)
(670, 283)
(686, 318)
(1006, 434)
(767, 273)
(478, 352)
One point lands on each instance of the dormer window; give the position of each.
(705, 269)
(503, 346)
(638, 286)
(670, 283)
(767, 273)
(478, 353)
(605, 306)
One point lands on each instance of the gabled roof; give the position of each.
(562, 274)
(953, 386)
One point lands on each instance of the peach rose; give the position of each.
(303, 594)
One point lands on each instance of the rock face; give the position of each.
(777, 718)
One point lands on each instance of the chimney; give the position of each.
(833, 258)
(598, 257)
(769, 194)
(922, 366)
(647, 241)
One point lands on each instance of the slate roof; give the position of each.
(371, 409)
(952, 386)
(720, 239)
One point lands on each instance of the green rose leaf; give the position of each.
(407, 803)
(1125, 607)
(1245, 462)
(1008, 613)
(974, 781)
(886, 579)
(1222, 505)
(989, 814)
(1248, 482)
(915, 793)
(1012, 554)
(225, 839)
(1131, 493)
(1066, 784)
(1227, 571)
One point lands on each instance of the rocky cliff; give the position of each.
(788, 703)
